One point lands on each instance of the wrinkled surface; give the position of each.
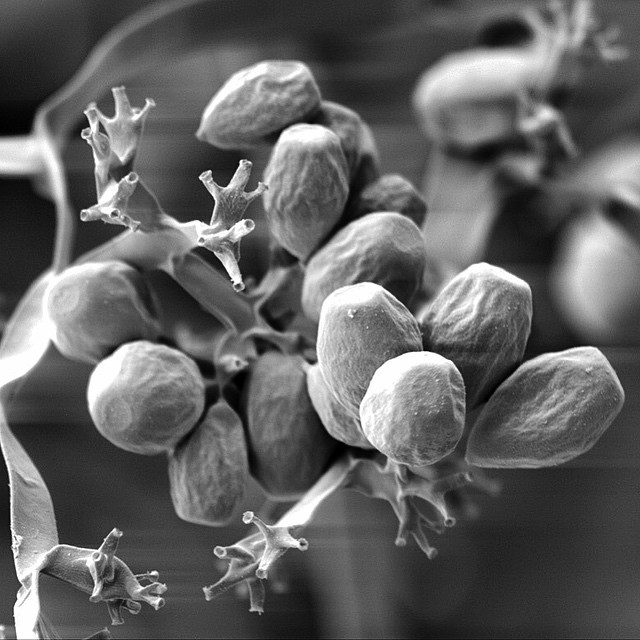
(339, 423)
(288, 446)
(414, 408)
(385, 248)
(390, 192)
(308, 182)
(553, 408)
(256, 103)
(355, 136)
(208, 469)
(481, 320)
(93, 308)
(361, 326)
(145, 397)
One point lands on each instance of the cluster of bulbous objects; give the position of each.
(398, 370)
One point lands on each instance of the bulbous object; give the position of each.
(481, 320)
(389, 192)
(208, 470)
(337, 420)
(93, 308)
(356, 139)
(384, 247)
(256, 103)
(552, 409)
(288, 447)
(361, 326)
(308, 180)
(414, 408)
(145, 397)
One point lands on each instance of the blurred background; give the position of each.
(557, 554)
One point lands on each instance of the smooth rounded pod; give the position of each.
(308, 182)
(145, 397)
(356, 139)
(361, 326)
(552, 409)
(386, 248)
(93, 308)
(256, 103)
(289, 448)
(337, 420)
(414, 408)
(481, 320)
(389, 192)
(208, 470)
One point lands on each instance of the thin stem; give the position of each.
(20, 156)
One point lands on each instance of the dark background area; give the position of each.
(557, 554)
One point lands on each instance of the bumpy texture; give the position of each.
(390, 192)
(481, 320)
(553, 408)
(356, 140)
(208, 470)
(308, 182)
(255, 104)
(145, 397)
(361, 327)
(95, 307)
(414, 408)
(337, 420)
(385, 248)
(288, 446)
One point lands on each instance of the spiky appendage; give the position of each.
(104, 576)
(123, 130)
(227, 226)
(113, 204)
(400, 487)
(122, 197)
(251, 559)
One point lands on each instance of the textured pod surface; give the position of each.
(256, 103)
(356, 138)
(288, 446)
(339, 423)
(308, 182)
(385, 248)
(95, 307)
(414, 408)
(481, 320)
(208, 470)
(145, 397)
(361, 326)
(390, 192)
(553, 408)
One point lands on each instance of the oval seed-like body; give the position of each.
(481, 320)
(356, 140)
(256, 103)
(95, 307)
(288, 446)
(389, 192)
(208, 470)
(553, 408)
(145, 397)
(386, 248)
(361, 326)
(338, 421)
(308, 182)
(414, 408)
